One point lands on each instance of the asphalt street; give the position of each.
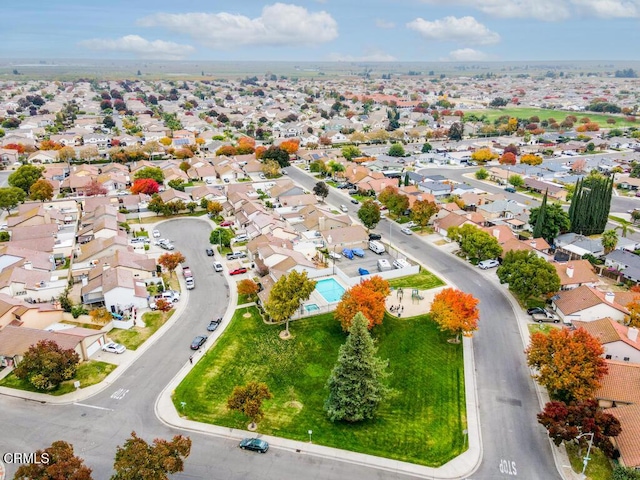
(514, 444)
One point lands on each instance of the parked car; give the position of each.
(406, 231)
(238, 271)
(344, 208)
(198, 342)
(209, 252)
(217, 266)
(254, 444)
(167, 246)
(545, 317)
(213, 324)
(375, 236)
(354, 201)
(533, 310)
(156, 234)
(347, 252)
(486, 264)
(226, 223)
(510, 189)
(358, 252)
(363, 271)
(114, 348)
(335, 256)
(411, 224)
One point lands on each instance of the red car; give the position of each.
(238, 271)
(226, 223)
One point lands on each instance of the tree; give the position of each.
(566, 423)
(455, 311)
(568, 363)
(321, 190)
(625, 473)
(516, 180)
(531, 159)
(367, 297)
(41, 190)
(633, 307)
(270, 168)
(248, 400)
(396, 150)
(278, 154)
(170, 261)
(422, 211)
(11, 197)
(456, 131)
(45, 365)
(609, 240)
(357, 382)
(369, 214)
(498, 102)
(88, 153)
(507, 158)
(66, 154)
(214, 208)
(61, 464)
(290, 146)
(549, 221)
(590, 205)
(398, 204)
(191, 206)
(426, 148)
(221, 236)
(350, 152)
(482, 174)
(101, 315)
(184, 166)
(483, 155)
(154, 173)
(527, 274)
(137, 460)
(148, 186)
(286, 295)
(248, 287)
(25, 176)
(474, 242)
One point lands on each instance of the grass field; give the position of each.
(88, 373)
(424, 280)
(559, 115)
(422, 423)
(136, 336)
(599, 467)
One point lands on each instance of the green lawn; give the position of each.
(88, 373)
(422, 281)
(422, 423)
(598, 468)
(136, 336)
(559, 115)
(539, 328)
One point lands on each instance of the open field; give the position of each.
(559, 115)
(422, 423)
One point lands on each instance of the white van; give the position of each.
(383, 265)
(401, 263)
(376, 247)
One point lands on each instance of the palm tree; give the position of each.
(609, 240)
(624, 229)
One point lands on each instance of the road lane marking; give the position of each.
(508, 467)
(93, 406)
(119, 394)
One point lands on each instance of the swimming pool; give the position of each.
(311, 307)
(330, 289)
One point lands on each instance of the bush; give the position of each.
(624, 473)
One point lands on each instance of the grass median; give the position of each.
(423, 423)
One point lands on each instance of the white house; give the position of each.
(619, 341)
(587, 304)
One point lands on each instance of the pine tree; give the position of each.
(356, 385)
(406, 179)
(537, 229)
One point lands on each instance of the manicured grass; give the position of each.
(136, 336)
(539, 328)
(559, 115)
(242, 299)
(88, 373)
(599, 467)
(422, 423)
(424, 280)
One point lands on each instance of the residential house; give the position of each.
(620, 342)
(576, 245)
(575, 273)
(587, 304)
(627, 263)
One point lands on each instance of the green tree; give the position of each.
(137, 460)
(396, 150)
(278, 154)
(625, 473)
(11, 197)
(357, 382)
(590, 205)
(609, 240)
(422, 211)
(177, 184)
(482, 174)
(528, 275)
(407, 181)
(221, 236)
(25, 176)
(335, 167)
(154, 173)
(398, 204)
(248, 400)
(516, 180)
(554, 221)
(369, 214)
(45, 365)
(474, 242)
(456, 131)
(286, 295)
(321, 190)
(62, 464)
(426, 148)
(349, 152)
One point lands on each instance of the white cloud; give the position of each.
(550, 10)
(279, 24)
(380, 23)
(467, 55)
(370, 56)
(466, 30)
(139, 46)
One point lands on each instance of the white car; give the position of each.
(406, 231)
(486, 264)
(410, 224)
(156, 234)
(344, 208)
(114, 348)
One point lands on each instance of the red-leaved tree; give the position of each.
(147, 186)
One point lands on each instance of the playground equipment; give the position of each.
(415, 295)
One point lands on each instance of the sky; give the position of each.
(322, 30)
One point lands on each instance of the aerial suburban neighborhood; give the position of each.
(374, 268)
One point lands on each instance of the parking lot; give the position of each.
(368, 262)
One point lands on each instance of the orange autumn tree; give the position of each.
(259, 152)
(455, 311)
(245, 145)
(367, 297)
(507, 158)
(290, 146)
(633, 319)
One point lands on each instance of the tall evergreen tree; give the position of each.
(356, 385)
(590, 205)
(537, 229)
(406, 179)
